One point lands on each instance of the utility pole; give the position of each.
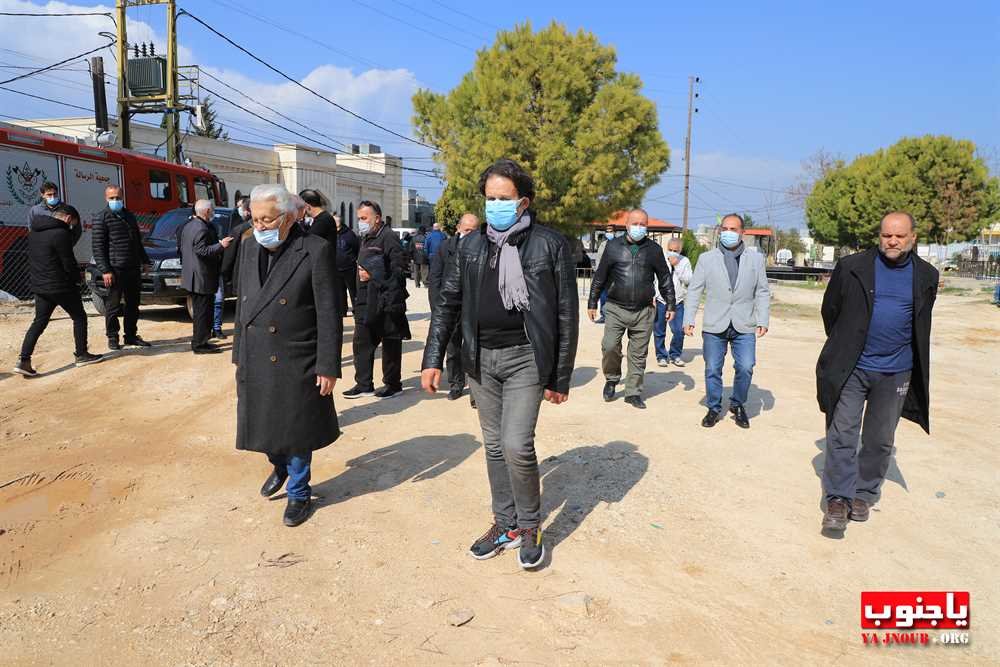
(692, 80)
(149, 98)
(124, 120)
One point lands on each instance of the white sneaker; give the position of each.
(662, 362)
(677, 362)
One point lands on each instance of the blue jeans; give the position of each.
(676, 332)
(219, 300)
(996, 295)
(299, 469)
(603, 300)
(744, 347)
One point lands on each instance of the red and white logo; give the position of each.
(929, 610)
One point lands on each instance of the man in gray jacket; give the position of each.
(737, 300)
(201, 260)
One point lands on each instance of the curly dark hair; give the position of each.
(509, 169)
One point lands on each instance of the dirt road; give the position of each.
(131, 531)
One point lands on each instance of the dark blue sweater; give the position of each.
(888, 347)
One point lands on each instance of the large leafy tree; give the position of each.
(939, 180)
(553, 102)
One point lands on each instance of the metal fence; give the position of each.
(980, 270)
(15, 280)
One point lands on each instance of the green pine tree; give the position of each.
(554, 102)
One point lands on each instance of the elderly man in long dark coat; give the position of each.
(286, 346)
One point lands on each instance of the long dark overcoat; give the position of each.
(288, 331)
(847, 311)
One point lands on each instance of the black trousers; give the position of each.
(45, 305)
(367, 337)
(348, 283)
(203, 312)
(123, 301)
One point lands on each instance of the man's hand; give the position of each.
(553, 397)
(325, 384)
(430, 380)
(689, 330)
(761, 331)
(226, 241)
(592, 314)
(363, 276)
(109, 279)
(670, 315)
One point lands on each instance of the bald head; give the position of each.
(897, 235)
(467, 223)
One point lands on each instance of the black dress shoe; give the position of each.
(136, 343)
(273, 483)
(218, 335)
(740, 413)
(297, 511)
(207, 348)
(454, 394)
(710, 419)
(636, 402)
(609, 391)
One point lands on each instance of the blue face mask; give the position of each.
(501, 214)
(52, 201)
(269, 238)
(116, 205)
(637, 232)
(729, 239)
(673, 255)
(609, 235)
(364, 227)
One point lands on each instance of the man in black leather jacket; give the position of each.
(514, 287)
(628, 268)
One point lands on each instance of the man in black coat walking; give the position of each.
(287, 347)
(120, 256)
(55, 281)
(420, 260)
(201, 258)
(875, 365)
(380, 314)
(446, 254)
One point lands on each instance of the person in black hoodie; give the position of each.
(120, 256)
(55, 280)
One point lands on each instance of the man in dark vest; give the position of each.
(201, 260)
(875, 366)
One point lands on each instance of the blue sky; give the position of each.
(780, 80)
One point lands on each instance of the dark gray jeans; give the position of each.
(509, 395)
(845, 473)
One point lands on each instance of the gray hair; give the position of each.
(276, 192)
(678, 241)
(203, 207)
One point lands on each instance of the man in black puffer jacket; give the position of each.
(120, 255)
(55, 280)
(628, 268)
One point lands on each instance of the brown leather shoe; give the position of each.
(837, 513)
(859, 510)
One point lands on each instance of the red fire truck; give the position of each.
(28, 158)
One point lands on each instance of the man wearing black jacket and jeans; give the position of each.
(627, 269)
(875, 365)
(120, 256)
(55, 280)
(512, 290)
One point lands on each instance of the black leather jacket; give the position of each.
(629, 278)
(552, 325)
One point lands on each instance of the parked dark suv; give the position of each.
(161, 283)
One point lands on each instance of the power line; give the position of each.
(40, 14)
(303, 86)
(45, 99)
(61, 62)
(468, 16)
(439, 20)
(415, 27)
